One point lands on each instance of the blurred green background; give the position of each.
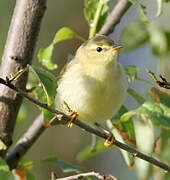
(62, 142)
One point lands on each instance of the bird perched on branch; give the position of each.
(94, 84)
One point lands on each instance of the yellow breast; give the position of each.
(95, 94)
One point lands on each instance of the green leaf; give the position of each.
(5, 172)
(159, 114)
(126, 156)
(116, 119)
(87, 153)
(29, 176)
(41, 96)
(164, 97)
(27, 164)
(3, 165)
(134, 35)
(167, 34)
(65, 166)
(96, 12)
(131, 72)
(158, 40)
(136, 96)
(48, 92)
(127, 127)
(165, 143)
(22, 113)
(45, 55)
(64, 33)
(6, 175)
(90, 10)
(48, 82)
(167, 176)
(103, 16)
(142, 10)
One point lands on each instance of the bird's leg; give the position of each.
(111, 139)
(73, 115)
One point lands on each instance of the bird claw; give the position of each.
(110, 140)
(74, 116)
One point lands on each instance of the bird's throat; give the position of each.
(99, 72)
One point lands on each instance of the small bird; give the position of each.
(94, 85)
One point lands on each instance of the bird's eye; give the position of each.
(99, 49)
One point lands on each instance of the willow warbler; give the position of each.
(94, 85)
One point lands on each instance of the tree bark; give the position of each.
(19, 48)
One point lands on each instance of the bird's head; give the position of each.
(99, 50)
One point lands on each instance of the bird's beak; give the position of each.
(115, 48)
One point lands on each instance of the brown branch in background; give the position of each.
(28, 139)
(114, 18)
(20, 44)
(25, 142)
(82, 175)
(61, 118)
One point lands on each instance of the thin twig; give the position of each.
(79, 176)
(164, 83)
(115, 16)
(61, 118)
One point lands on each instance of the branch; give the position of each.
(25, 142)
(97, 175)
(164, 83)
(18, 53)
(61, 118)
(115, 16)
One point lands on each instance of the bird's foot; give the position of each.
(111, 139)
(74, 116)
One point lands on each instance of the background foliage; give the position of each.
(145, 116)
